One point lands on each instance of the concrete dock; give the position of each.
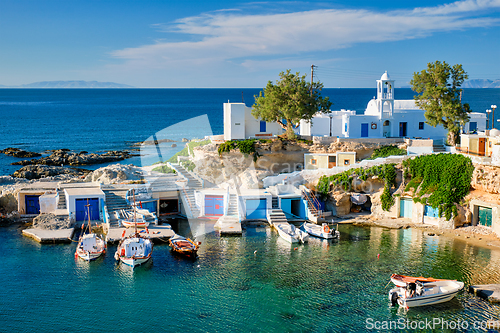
(490, 292)
(156, 232)
(229, 225)
(46, 236)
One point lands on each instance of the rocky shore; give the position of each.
(16, 152)
(65, 157)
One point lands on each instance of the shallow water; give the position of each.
(256, 282)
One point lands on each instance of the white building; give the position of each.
(384, 117)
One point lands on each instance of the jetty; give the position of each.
(46, 236)
(490, 292)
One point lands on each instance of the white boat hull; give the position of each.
(319, 231)
(90, 247)
(432, 293)
(134, 250)
(291, 234)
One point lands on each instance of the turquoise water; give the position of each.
(253, 283)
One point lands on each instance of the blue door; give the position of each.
(405, 206)
(262, 126)
(214, 205)
(364, 130)
(82, 210)
(485, 215)
(402, 129)
(431, 212)
(472, 126)
(256, 209)
(32, 204)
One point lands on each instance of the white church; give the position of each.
(384, 117)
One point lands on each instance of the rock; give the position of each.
(8, 204)
(185, 140)
(16, 152)
(116, 173)
(486, 178)
(51, 222)
(63, 157)
(173, 145)
(339, 203)
(43, 171)
(277, 145)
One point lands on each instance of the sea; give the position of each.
(253, 283)
(99, 120)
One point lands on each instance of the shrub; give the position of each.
(164, 169)
(385, 151)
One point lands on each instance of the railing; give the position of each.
(313, 204)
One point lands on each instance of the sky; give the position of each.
(225, 44)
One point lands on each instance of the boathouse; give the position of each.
(77, 199)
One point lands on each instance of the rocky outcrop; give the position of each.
(51, 222)
(116, 173)
(16, 152)
(43, 171)
(486, 178)
(339, 203)
(64, 157)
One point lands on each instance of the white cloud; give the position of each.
(236, 37)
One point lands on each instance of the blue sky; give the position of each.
(243, 44)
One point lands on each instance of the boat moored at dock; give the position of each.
(420, 294)
(323, 231)
(290, 233)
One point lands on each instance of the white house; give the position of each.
(384, 117)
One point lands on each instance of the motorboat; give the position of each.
(132, 219)
(183, 245)
(420, 294)
(322, 231)
(90, 245)
(403, 280)
(290, 233)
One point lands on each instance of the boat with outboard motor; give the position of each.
(322, 231)
(420, 294)
(291, 233)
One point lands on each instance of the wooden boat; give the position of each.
(290, 233)
(130, 219)
(184, 246)
(322, 231)
(135, 249)
(420, 294)
(90, 246)
(403, 280)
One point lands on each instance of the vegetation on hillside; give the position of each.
(440, 181)
(385, 151)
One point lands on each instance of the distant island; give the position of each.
(70, 84)
(480, 83)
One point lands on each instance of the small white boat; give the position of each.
(403, 280)
(322, 231)
(134, 250)
(420, 294)
(128, 220)
(290, 233)
(90, 246)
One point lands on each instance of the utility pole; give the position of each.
(312, 78)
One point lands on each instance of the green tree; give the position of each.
(290, 100)
(439, 89)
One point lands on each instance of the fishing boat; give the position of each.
(131, 219)
(403, 280)
(135, 249)
(420, 294)
(183, 245)
(322, 231)
(290, 233)
(90, 245)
